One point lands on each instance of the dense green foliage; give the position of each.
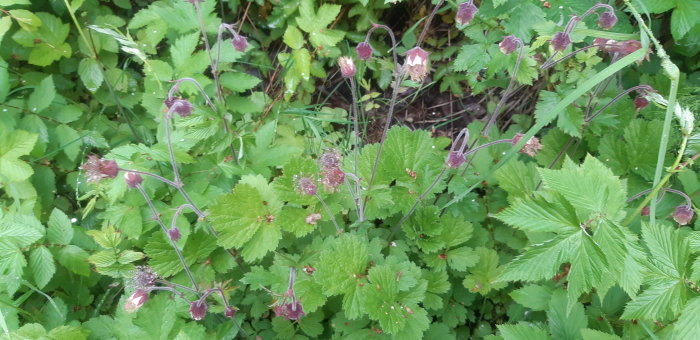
(257, 216)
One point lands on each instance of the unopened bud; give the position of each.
(364, 51)
(607, 20)
(683, 214)
(509, 44)
(455, 159)
(230, 312)
(645, 211)
(640, 102)
(180, 106)
(240, 43)
(136, 300)
(198, 309)
(133, 179)
(465, 13)
(174, 234)
(347, 67)
(560, 41)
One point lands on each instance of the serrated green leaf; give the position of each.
(687, 326)
(59, 228)
(668, 248)
(523, 331)
(20, 230)
(591, 334)
(662, 301)
(340, 267)
(541, 261)
(684, 18)
(535, 297)
(42, 96)
(539, 215)
(74, 259)
(41, 265)
(471, 58)
(462, 258)
(483, 276)
(293, 37)
(239, 81)
(27, 20)
(565, 322)
(69, 140)
(90, 73)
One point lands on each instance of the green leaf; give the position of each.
(565, 322)
(483, 276)
(471, 58)
(339, 271)
(518, 179)
(462, 258)
(60, 228)
(687, 326)
(541, 261)
(74, 259)
(684, 18)
(69, 140)
(4, 75)
(293, 37)
(591, 334)
(669, 249)
(539, 215)
(662, 301)
(239, 81)
(183, 49)
(20, 230)
(45, 54)
(41, 265)
(90, 73)
(27, 20)
(523, 331)
(42, 96)
(588, 267)
(535, 297)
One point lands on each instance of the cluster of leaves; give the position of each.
(532, 248)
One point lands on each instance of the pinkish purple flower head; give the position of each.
(645, 211)
(531, 147)
(330, 159)
(347, 67)
(144, 277)
(133, 179)
(240, 43)
(683, 214)
(97, 168)
(174, 234)
(455, 159)
(229, 312)
(290, 310)
(640, 102)
(560, 41)
(607, 20)
(180, 106)
(509, 44)
(332, 178)
(364, 50)
(465, 13)
(136, 300)
(416, 64)
(305, 185)
(198, 309)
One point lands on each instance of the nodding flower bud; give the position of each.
(97, 168)
(640, 102)
(364, 50)
(133, 179)
(645, 211)
(531, 147)
(347, 67)
(607, 20)
(180, 106)
(560, 41)
(240, 43)
(198, 309)
(305, 185)
(229, 312)
(509, 44)
(290, 311)
(416, 64)
(174, 234)
(465, 13)
(455, 159)
(683, 214)
(136, 300)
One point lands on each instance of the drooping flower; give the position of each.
(607, 20)
(312, 218)
(180, 106)
(531, 146)
(683, 214)
(465, 13)
(347, 67)
(239, 42)
(174, 234)
(509, 44)
(364, 51)
(133, 179)
(97, 168)
(290, 310)
(305, 185)
(560, 41)
(198, 309)
(416, 64)
(455, 159)
(229, 312)
(136, 300)
(640, 102)
(645, 211)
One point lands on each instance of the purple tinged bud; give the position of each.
(240, 43)
(364, 51)
(416, 64)
(98, 168)
(305, 185)
(455, 159)
(181, 106)
(640, 102)
(290, 311)
(136, 300)
(133, 179)
(607, 20)
(683, 214)
(347, 67)
(198, 309)
(509, 44)
(230, 312)
(465, 13)
(174, 234)
(645, 211)
(560, 41)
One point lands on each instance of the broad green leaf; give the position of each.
(668, 248)
(535, 297)
(293, 37)
(42, 96)
(687, 326)
(541, 261)
(684, 18)
(74, 259)
(517, 178)
(591, 334)
(588, 268)
(21, 231)
(340, 269)
(27, 20)
(44, 54)
(239, 81)
(483, 276)
(523, 331)
(59, 228)
(471, 58)
(539, 215)
(4, 75)
(565, 322)
(91, 74)
(41, 265)
(69, 140)
(662, 301)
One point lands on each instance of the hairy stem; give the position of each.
(328, 211)
(356, 149)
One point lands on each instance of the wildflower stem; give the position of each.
(219, 95)
(356, 148)
(176, 86)
(427, 23)
(635, 88)
(150, 174)
(156, 216)
(328, 211)
(508, 91)
(393, 41)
